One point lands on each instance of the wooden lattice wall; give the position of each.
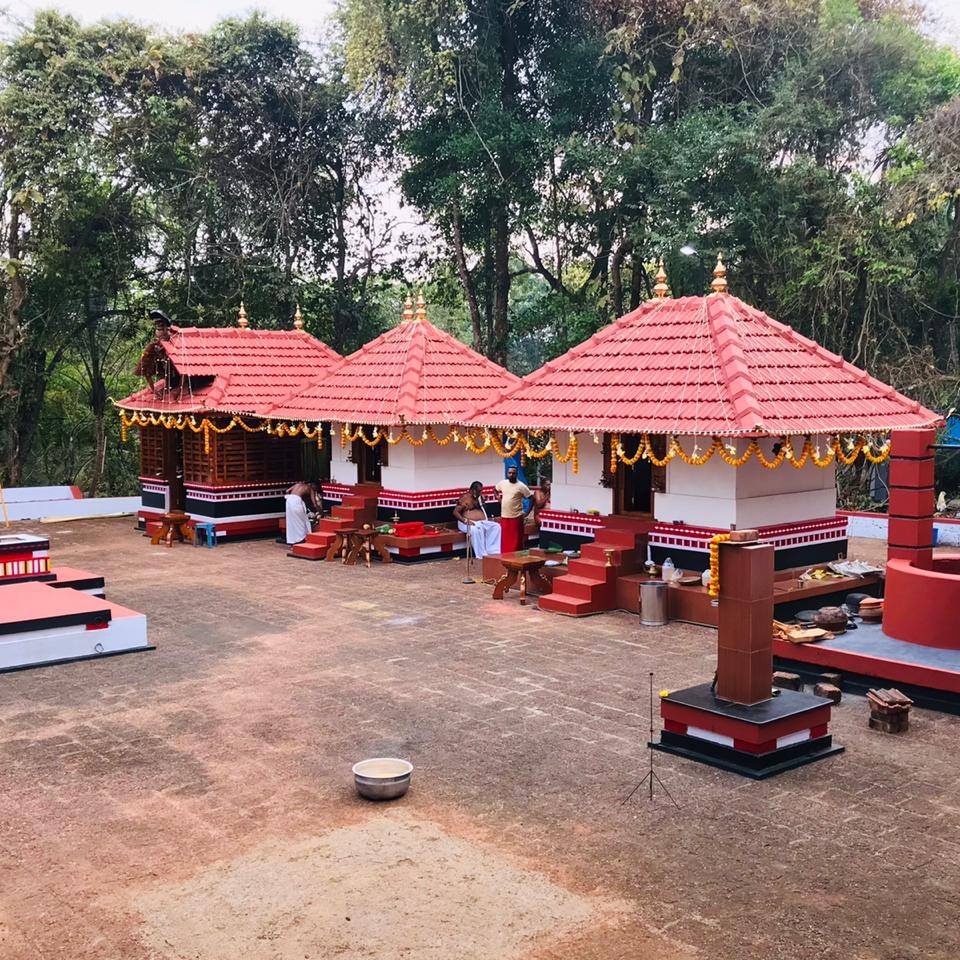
(157, 452)
(240, 457)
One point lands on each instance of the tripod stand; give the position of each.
(468, 578)
(651, 774)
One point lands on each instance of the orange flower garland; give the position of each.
(713, 590)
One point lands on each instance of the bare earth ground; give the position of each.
(196, 801)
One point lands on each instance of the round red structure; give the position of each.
(922, 605)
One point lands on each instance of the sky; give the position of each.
(310, 14)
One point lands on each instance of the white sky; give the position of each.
(310, 14)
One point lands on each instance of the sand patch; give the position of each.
(391, 887)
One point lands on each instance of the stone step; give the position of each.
(309, 551)
(582, 588)
(569, 606)
(591, 570)
(617, 537)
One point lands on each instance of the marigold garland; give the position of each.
(478, 441)
(713, 589)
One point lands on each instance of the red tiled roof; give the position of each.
(702, 365)
(413, 373)
(251, 369)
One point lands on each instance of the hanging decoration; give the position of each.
(206, 426)
(540, 444)
(713, 590)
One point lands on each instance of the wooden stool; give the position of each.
(363, 543)
(173, 527)
(341, 544)
(524, 568)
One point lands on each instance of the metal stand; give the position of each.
(651, 774)
(468, 578)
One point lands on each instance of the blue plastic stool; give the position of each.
(209, 531)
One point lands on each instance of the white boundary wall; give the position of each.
(38, 503)
(873, 526)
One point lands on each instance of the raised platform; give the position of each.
(692, 603)
(866, 657)
(40, 624)
(756, 741)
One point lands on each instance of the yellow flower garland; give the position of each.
(478, 441)
(713, 590)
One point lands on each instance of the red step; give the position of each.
(583, 588)
(570, 606)
(309, 551)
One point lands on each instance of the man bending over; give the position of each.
(299, 496)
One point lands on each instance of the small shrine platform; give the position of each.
(40, 624)
(867, 657)
(755, 741)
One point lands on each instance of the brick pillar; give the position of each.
(745, 636)
(912, 497)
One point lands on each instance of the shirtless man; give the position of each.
(154, 364)
(472, 519)
(298, 520)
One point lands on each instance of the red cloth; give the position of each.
(511, 534)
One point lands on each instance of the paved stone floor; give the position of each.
(196, 801)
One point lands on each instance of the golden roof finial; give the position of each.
(661, 288)
(242, 320)
(408, 309)
(298, 319)
(421, 307)
(719, 282)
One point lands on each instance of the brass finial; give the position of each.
(719, 282)
(661, 288)
(408, 309)
(421, 307)
(298, 319)
(242, 320)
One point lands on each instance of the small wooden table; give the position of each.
(525, 568)
(363, 543)
(341, 544)
(173, 527)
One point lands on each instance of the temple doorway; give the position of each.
(370, 461)
(634, 487)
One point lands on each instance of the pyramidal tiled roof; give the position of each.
(702, 365)
(250, 369)
(413, 373)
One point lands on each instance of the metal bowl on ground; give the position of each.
(382, 778)
(806, 616)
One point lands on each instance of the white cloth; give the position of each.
(484, 536)
(298, 523)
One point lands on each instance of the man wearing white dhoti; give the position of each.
(472, 519)
(297, 519)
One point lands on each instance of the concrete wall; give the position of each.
(36, 503)
(580, 491)
(718, 495)
(419, 469)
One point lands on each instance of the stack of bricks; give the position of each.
(910, 533)
(889, 710)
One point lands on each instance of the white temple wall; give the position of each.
(718, 495)
(420, 469)
(580, 491)
(432, 467)
(341, 470)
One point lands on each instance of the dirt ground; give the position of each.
(196, 801)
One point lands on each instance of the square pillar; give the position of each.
(912, 497)
(744, 638)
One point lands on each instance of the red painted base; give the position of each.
(921, 603)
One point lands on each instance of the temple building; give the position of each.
(199, 452)
(692, 416)
(396, 454)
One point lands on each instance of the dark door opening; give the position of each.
(635, 486)
(370, 461)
